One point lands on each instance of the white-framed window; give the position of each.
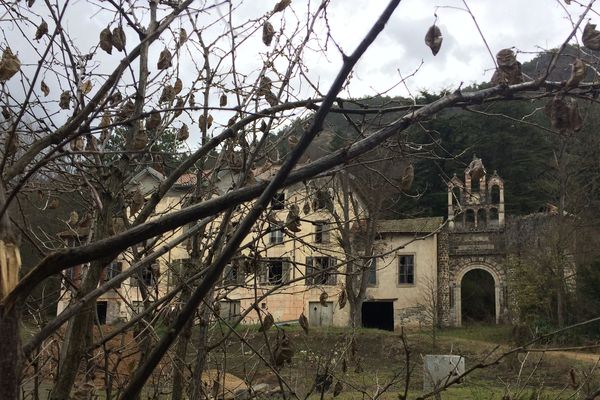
(275, 234)
(372, 272)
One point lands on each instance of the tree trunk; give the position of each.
(79, 331)
(179, 363)
(10, 349)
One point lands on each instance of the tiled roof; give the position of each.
(413, 225)
(186, 179)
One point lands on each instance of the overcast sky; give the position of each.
(527, 25)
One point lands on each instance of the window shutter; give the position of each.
(309, 270)
(263, 271)
(332, 273)
(285, 273)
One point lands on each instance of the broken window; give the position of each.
(406, 269)
(320, 271)
(234, 275)
(322, 200)
(278, 201)
(114, 269)
(372, 273)
(274, 271)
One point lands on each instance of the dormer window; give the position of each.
(278, 201)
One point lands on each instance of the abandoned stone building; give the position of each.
(453, 264)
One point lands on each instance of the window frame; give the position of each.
(276, 235)
(113, 269)
(372, 271)
(322, 235)
(327, 278)
(265, 275)
(400, 273)
(278, 201)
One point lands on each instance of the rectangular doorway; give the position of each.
(378, 315)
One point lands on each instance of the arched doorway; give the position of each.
(478, 301)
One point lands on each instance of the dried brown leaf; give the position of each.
(115, 98)
(9, 65)
(407, 177)
(106, 41)
(45, 89)
(323, 299)
(282, 5)
(192, 100)
(65, 100)
(267, 33)
(41, 30)
(183, 36)
(342, 298)
(578, 70)
(153, 120)
(433, 39)
(264, 85)
(223, 100)
(106, 120)
(564, 114)
(140, 140)
(178, 86)
(77, 144)
(6, 112)
(164, 59)
(86, 87)
(231, 121)
(591, 37)
(167, 95)
(91, 143)
(126, 111)
(506, 58)
(267, 323)
(271, 99)
(30, 3)
(179, 104)
(205, 122)
(306, 208)
(183, 133)
(119, 40)
(303, 321)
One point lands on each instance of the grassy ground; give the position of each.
(379, 361)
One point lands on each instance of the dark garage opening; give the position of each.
(101, 312)
(378, 314)
(478, 297)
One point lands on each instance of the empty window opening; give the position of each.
(101, 308)
(470, 219)
(494, 221)
(274, 271)
(495, 194)
(378, 315)
(481, 218)
(278, 201)
(320, 271)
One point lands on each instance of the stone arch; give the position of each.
(457, 289)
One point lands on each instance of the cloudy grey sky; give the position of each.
(529, 26)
